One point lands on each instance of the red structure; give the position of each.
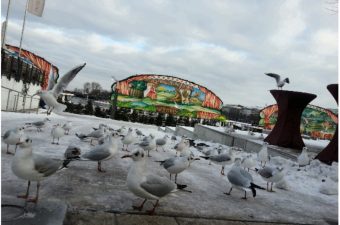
(286, 132)
(330, 153)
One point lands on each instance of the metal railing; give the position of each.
(13, 106)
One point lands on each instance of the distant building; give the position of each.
(241, 113)
(22, 77)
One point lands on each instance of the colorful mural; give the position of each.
(316, 122)
(167, 94)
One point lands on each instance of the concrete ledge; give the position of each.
(168, 130)
(181, 131)
(46, 212)
(249, 145)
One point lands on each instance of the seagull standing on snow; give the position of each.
(148, 144)
(303, 159)
(147, 186)
(97, 134)
(280, 83)
(248, 162)
(241, 180)
(176, 165)
(39, 124)
(32, 167)
(182, 146)
(263, 154)
(104, 151)
(50, 96)
(67, 127)
(161, 142)
(57, 132)
(222, 159)
(12, 137)
(129, 138)
(271, 175)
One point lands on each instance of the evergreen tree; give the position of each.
(170, 121)
(89, 108)
(159, 119)
(98, 112)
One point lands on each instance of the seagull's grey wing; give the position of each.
(158, 186)
(235, 177)
(7, 133)
(46, 166)
(169, 162)
(39, 123)
(144, 143)
(220, 158)
(51, 84)
(266, 172)
(274, 75)
(97, 154)
(246, 174)
(66, 79)
(160, 142)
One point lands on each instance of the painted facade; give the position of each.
(167, 94)
(316, 122)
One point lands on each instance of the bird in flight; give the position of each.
(279, 82)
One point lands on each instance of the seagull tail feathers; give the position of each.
(253, 186)
(181, 186)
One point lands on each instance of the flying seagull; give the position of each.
(280, 83)
(50, 96)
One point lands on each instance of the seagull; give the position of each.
(248, 163)
(280, 83)
(176, 165)
(57, 132)
(147, 186)
(104, 151)
(32, 167)
(70, 154)
(12, 137)
(161, 142)
(67, 127)
(97, 134)
(182, 145)
(263, 154)
(271, 175)
(222, 159)
(54, 90)
(303, 159)
(173, 138)
(139, 133)
(39, 124)
(241, 179)
(148, 144)
(129, 138)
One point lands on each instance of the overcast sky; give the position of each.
(226, 46)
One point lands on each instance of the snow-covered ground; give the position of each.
(304, 197)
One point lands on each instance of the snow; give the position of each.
(304, 183)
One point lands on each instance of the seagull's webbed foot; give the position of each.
(33, 200)
(139, 208)
(22, 196)
(9, 153)
(152, 211)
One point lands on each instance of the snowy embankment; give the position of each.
(305, 197)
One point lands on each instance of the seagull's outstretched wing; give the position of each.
(66, 79)
(276, 76)
(51, 83)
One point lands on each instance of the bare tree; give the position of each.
(96, 86)
(87, 88)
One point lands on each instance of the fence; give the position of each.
(14, 101)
